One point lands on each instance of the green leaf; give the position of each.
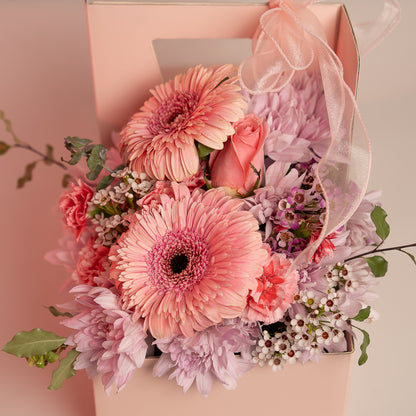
(363, 347)
(378, 217)
(4, 147)
(378, 265)
(97, 157)
(66, 179)
(107, 180)
(34, 342)
(9, 128)
(49, 155)
(64, 371)
(363, 314)
(93, 175)
(71, 142)
(75, 158)
(27, 176)
(412, 257)
(203, 151)
(223, 80)
(207, 182)
(303, 231)
(56, 312)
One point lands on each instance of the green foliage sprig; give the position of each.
(46, 157)
(95, 155)
(378, 266)
(41, 348)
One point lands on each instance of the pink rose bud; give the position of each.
(230, 167)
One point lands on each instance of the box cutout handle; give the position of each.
(175, 56)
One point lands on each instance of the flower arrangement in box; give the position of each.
(228, 227)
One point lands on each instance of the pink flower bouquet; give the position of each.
(232, 228)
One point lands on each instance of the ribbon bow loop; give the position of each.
(283, 44)
(289, 39)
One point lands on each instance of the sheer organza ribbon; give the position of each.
(370, 34)
(289, 39)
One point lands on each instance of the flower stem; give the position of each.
(380, 250)
(44, 156)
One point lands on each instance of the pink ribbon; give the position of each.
(370, 34)
(290, 39)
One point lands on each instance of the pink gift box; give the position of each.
(129, 42)
(295, 390)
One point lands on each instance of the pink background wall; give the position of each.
(46, 90)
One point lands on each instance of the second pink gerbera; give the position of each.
(200, 105)
(189, 263)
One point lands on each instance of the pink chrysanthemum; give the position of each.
(108, 341)
(92, 262)
(188, 263)
(209, 355)
(159, 140)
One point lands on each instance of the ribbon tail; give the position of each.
(370, 34)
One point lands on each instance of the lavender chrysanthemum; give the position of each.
(208, 355)
(108, 341)
(297, 118)
(362, 231)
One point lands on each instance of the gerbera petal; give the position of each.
(159, 140)
(204, 258)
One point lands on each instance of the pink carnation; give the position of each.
(326, 248)
(108, 341)
(153, 198)
(274, 293)
(74, 205)
(91, 262)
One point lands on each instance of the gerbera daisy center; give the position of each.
(173, 113)
(178, 261)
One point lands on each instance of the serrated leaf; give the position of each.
(93, 175)
(56, 312)
(363, 347)
(378, 265)
(107, 180)
(76, 142)
(64, 371)
(49, 155)
(97, 157)
(203, 151)
(4, 147)
(34, 342)
(27, 176)
(378, 216)
(363, 314)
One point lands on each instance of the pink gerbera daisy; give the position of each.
(159, 140)
(188, 263)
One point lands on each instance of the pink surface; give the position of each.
(47, 94)
(46, 89)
